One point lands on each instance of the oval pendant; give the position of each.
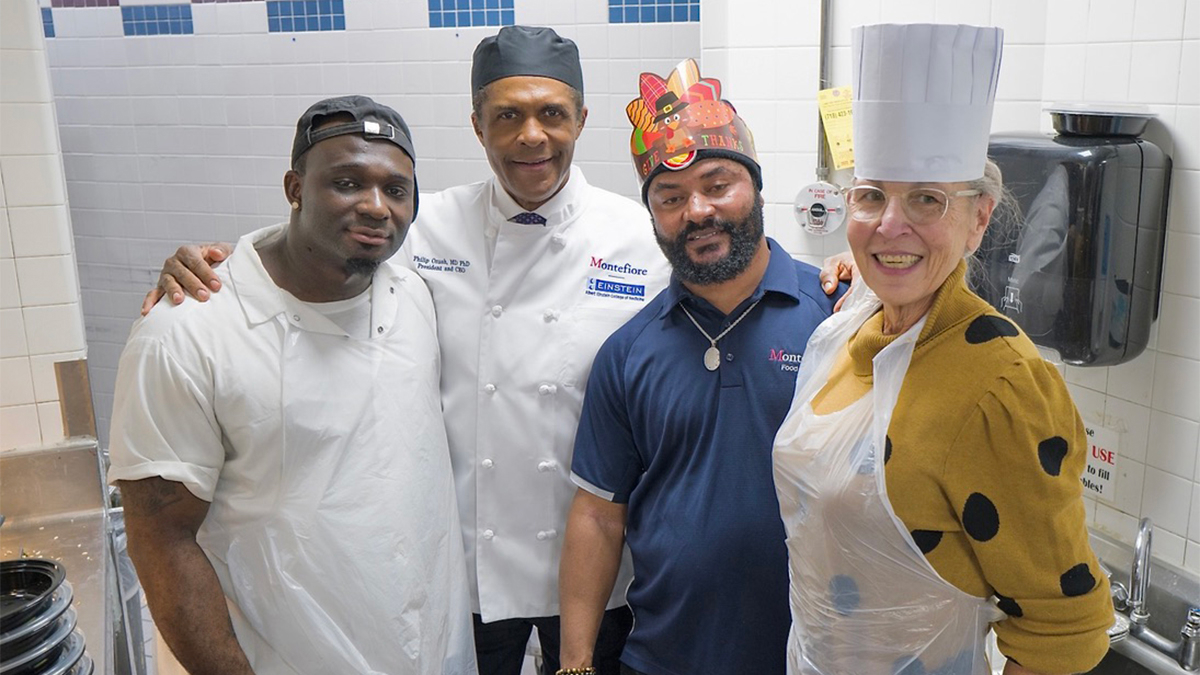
(712, 358)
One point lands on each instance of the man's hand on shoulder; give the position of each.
(836, 268)
(189, 271)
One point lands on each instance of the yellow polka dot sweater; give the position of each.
(983, 460)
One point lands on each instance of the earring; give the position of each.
(295, 206)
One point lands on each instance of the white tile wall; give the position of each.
(1110, 21)
(1172, 444)
(1179, 328)
(41, 316)
(1189, 73)
(12, 334)
(1162, 20)
(47, 280)
(50, 422)
(1191, 20)
(28, 129)
(10, 295)
(1150, 81)
(16, 383)
(19, 426)
(40, 230)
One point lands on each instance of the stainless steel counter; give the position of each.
(54, 507)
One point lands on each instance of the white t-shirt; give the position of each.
(332, 526)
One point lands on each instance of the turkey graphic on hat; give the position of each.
(676, 117)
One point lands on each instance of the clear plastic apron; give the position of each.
(864, 599)
(359, 568)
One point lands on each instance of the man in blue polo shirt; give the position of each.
(673, 451)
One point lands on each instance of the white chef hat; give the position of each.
(923, 96)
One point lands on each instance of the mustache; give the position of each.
(693, 227)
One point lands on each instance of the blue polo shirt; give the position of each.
(689, 450)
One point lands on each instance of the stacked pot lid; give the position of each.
(37, 623)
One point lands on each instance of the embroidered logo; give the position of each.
(787, 361)
(436, 264)
(605, 288)
(625, 268)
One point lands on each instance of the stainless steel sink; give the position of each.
(1115, 663)
(1172, 591)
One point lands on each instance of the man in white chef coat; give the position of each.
(530, 271)
(281, 449)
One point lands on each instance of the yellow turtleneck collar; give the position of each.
(952, 302)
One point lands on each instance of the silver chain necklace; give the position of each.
(712, 355)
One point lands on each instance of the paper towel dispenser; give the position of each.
(1080, 274)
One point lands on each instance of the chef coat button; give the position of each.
(497, 310)
(392, 289)
(489, 388)
(549, 315)
(379, 330)
(547, 534)
(557, 239)
(729, 357)
(488, 534)
(547, 466)
(487, 463)
(547, 389)
(295, 317)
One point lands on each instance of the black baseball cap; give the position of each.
(371, 119)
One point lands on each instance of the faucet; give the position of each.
(1189, 638)
(1139, 575)
(1185, 650)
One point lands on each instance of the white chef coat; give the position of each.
(522, 310)
(332, 527)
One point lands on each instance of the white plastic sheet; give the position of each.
(864, 599)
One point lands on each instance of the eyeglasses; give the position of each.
(923, 206)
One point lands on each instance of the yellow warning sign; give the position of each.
(835, 106)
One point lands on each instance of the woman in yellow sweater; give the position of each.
(928, 472)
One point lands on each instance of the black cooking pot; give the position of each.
(26, 586)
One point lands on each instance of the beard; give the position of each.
(744, 238)
(363, 266)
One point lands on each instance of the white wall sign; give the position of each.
(1101, 468)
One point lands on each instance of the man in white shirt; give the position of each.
(281, 450)
(555, 266)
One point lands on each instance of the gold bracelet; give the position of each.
(586, 670)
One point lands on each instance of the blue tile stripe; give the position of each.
(291, 16)
(653, 11)
(48, 22)
(157, 20)
(466, 13)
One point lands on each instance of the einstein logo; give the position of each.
(620, 290)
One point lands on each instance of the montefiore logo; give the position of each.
(625, 268)
(785, 359)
